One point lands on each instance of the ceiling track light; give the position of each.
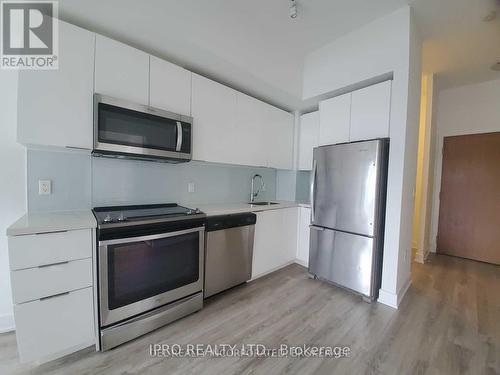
(293, 9)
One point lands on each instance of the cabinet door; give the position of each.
(370, 111)
(170, 87)
(334, 120)
(53, 327)
(279, 138)
(250, 132)
(275, 243)
(55, 106)
(308, 139)
(304, 232)
(214, 117)
(121, 71)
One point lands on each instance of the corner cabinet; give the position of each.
(121, 71)
(234, 128)
(278, 135)
(55, 106)
(275, 242)
(308, 139)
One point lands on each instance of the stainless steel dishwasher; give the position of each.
(228, 251)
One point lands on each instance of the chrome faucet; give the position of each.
(262, 186)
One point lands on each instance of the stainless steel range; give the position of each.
(150, 268)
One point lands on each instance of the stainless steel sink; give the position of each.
(262, 203)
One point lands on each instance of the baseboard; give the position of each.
(7, 323)
(303, 263)
(420, 257)
(272, 270)
(391, 299)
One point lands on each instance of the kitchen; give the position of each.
(162, 199)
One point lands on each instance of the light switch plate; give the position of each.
(190, 187)
(44, 187)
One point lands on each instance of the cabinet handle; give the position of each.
(53, 264)
(78, 148)
(54, 296)
(55, 231)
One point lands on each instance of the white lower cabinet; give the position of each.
(304, 232)
(275, 242)
(52, 327)
(52, 288)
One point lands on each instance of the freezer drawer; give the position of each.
(344, 259)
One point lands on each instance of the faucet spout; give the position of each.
(254, 194)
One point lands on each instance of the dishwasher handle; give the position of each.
(221, 222)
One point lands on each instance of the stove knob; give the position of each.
(107, 219)
(121, 218)
(197, 211)
(189, 211)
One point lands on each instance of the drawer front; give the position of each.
(34, 283)
(41, 249)
(53, 327)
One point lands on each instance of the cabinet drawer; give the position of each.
(40, 249)
(53, 327)
(34, 283)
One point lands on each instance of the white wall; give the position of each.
(389, 44)
(464, 110)
(12, 188)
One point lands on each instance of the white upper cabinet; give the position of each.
(308, 139)
(250, 132)
(55, 106)
(234, 128)
(334, 120)
(214, 117)
(169, 87)
(278, 134)
(370, 111)
(121, 71)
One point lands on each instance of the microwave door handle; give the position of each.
(179, 136)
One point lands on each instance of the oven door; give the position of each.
(138, 274)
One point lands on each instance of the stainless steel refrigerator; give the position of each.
(348, 194)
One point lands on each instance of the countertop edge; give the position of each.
(51, 221)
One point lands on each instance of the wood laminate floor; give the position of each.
(448, 323)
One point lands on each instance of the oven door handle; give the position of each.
(151, 237)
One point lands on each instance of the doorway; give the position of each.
(469, 209)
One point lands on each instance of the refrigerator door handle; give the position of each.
(312, 188)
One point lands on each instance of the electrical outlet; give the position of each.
(190, 187)
(44, 187)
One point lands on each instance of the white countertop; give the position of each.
(42, 222)
(215, 209)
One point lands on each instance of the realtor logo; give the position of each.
(29, 35)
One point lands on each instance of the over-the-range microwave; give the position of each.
(129, 130)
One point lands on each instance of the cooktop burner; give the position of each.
(143, 213)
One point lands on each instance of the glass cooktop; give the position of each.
(118, 214)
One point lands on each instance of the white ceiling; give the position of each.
(254, 46)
